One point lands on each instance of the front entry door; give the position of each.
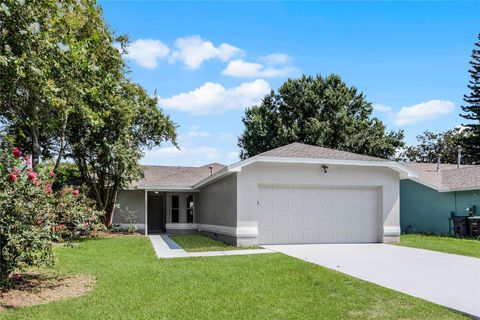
(156, 213)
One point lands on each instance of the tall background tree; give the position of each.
(44, 50)
(64, 93)
(433, 146)
(472, 107)
(318, 111)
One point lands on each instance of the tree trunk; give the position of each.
(87, 178)
(62, 144)
(35, 148)
(110, 207)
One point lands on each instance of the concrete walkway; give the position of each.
(167, 248)
(446, 279)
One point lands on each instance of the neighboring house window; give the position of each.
(189, 208)
(175, 209)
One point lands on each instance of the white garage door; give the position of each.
(291, 214)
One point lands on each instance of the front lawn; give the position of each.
(133, 284)
(466, 247)
(197, 243)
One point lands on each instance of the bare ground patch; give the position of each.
(34, 288)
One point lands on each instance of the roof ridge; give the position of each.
(165, 166)
(293, 145)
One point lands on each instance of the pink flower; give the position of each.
(61, 205)
(16, 152)
(61, 226)
(35, 183)
(32, 176)
(16, 171)
(76, 192)
(26, 157)
(48, 189)
(51, 174)
(12, 177)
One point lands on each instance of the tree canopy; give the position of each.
(471, 109)
(64, 92)
(434, 146)
(318, 111)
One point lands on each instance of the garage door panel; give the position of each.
(296, 236)
(297, 221)
(267, 205)
(298, 206)
(281, 191)
(265, 190)
(292, 214)
(327, 236)
(312, 236)
(282, 206)
(311, 221)
(266, 221)
(327, 221)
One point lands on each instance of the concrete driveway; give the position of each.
(449, 280)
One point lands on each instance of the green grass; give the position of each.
(465, 247)
(197, 243)
(133, 284)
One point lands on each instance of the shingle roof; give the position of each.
(448, 177)
(175, 176)
(301, 150)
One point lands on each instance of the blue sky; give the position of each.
(207, 61)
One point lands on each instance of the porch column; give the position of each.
(146, 206)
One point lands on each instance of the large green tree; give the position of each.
(318, 111)
(433, 146)
(41, 51)
(472, 107)
(107, 139)
(64, 92)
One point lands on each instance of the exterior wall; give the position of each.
(385, 179)
(423, 209)
(216, 203)
(134, 200)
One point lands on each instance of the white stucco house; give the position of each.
(297, 193)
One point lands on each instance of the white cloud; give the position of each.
(199, 155)
(241, 69)
(226, 136)
(214, 98)
(147, 52)
(276, 58)
(423, 111)
(381, 108)
(193, 51)
(194, 156)
(198, 134)
(234, 155)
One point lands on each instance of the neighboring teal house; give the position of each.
(427, 202)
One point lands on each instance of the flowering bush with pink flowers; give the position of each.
(33, 214)
(25, 211)
(74, 215)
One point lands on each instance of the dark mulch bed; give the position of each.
(115, 234)
(32, 288)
